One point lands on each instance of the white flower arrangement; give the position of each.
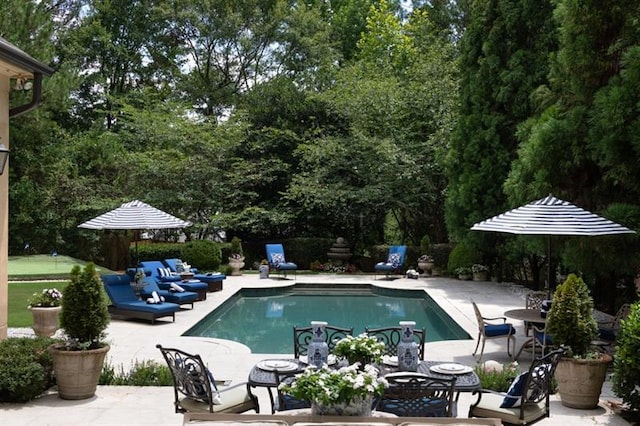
(327, 386)
(360, 348)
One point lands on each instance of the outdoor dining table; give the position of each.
(527, 315)
(259, 377)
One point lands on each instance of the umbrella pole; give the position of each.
(549, 267)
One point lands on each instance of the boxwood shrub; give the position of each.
(27, 368)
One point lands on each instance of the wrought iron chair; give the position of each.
(487, 330)
(391, 336)
(541, 339)
(418, 395)
(533, 300)
(195, 389)
(287, 402)
(302, 336)
(528, 398)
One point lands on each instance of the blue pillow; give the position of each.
(515, 391)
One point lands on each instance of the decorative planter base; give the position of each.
(480, 276)
(580, 381)
(77, 372)
(236, 266)
(45, 320)
(356, 407)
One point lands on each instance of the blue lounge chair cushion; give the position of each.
(173, 297)
(394, 261)
(276, 259)
(515, 391)
(491, 330)
(122, 296)
(173, 265)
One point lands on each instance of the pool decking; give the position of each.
(132, 340)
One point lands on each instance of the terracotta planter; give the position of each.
(77, 372)
(45, 320)
(580, 381)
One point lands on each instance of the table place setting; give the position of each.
(389, 360)
(277, 365)
(451, 368)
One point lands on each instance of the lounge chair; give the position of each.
(164, 277)
(173, 296)
(212, 279)
(126, 303)
(394, 262)
(277, 261)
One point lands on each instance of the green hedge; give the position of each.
(202, 254)
(26, 368)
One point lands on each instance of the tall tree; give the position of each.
(504, 57)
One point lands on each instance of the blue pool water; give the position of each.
(263, 319)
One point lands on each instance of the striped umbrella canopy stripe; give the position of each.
(135, 215)
(551, 216)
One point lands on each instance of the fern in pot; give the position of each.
(571, 324)
(84, 317)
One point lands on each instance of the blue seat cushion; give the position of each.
(383, 266)
(169, 296)
(491, 330)
(193, 286)
(607, 334)
(147, 307)
(286, 266)
(515, 391)
(209, 277)
(542, 338)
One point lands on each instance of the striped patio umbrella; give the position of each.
(551, 216)
(135, 215)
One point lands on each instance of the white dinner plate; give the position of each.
(330, 361)
(390, 360)
(277, 365)
(451, 369)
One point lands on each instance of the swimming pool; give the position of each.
(263, 319)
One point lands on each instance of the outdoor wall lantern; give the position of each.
(4, 156)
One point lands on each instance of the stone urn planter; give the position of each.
(236, 264)
(426, 266)
(77, 372)
(45, 320)
(580, 381)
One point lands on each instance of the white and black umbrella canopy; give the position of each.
(135, 215)
(551, 216)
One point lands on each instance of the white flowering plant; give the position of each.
(47, 298)
(476, 268)
(362, 348)
(327, 386)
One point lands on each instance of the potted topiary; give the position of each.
(626, 366)
(236, 260)
(78, 361)
(570, 323)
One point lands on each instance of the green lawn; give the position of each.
(43, 266)
(19, 294)
(24, 270)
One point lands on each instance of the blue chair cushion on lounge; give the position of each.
(169, 296)
(123, 297)
(491, 330)
(515, 391)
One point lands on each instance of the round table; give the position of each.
(527, 315)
